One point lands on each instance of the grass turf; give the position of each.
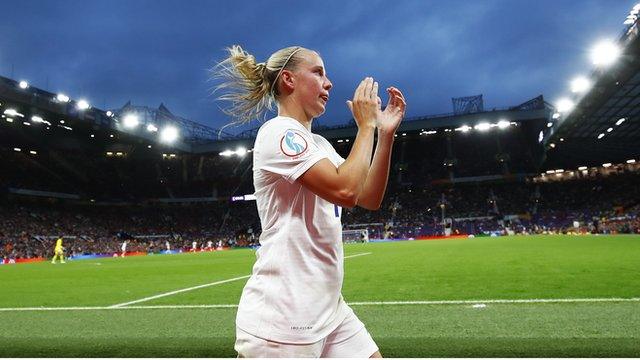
(483, 268)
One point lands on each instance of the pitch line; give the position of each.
(198, 287)
(362, 303)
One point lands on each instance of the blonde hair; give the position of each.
(250, 87)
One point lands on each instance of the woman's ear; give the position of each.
(288, 81)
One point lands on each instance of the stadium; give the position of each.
(504, 232)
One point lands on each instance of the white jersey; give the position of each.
(293, 294)
(124, 246)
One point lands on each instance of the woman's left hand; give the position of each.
(388, 120)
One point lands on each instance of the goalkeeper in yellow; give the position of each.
(58, 252)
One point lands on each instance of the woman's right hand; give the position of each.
(365, 106)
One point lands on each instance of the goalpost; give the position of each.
(355, 236)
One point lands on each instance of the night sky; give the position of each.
(153, 52)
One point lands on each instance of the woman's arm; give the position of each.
(376, 183)
(343, 185)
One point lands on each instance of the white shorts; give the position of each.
(349, 340)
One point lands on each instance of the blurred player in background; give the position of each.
(292, 305)
(58, 252)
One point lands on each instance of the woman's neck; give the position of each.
(294, 111)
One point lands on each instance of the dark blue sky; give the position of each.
(150, 52)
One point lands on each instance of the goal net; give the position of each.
(355, 236)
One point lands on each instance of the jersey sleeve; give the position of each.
(286, 150)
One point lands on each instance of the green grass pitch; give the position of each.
(597, 269)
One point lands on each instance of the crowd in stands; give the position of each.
(599, 204)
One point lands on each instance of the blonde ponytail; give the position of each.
(250, 87)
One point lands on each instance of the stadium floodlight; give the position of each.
(631, 161)
(148, 146)
(620, 121)
(26, 123)
(609, 130)
(9, 119)
(37, 119)
(464, 128)
(111, 136)
(226, 153)
(241, 151)
(109, 113)
(552, 145)
(540, 136)
(130, 121)
(559, 170)
(582, 168)
(169, 134)
(483, 126)
(62, 98)
(403, 134)
(23, 84)
(606, 165)
(555, 116)
(549, 124)
(503, 124)
(550, 171)
(83, 104)
(17, 149)
(601, 135)
(605, 53)
(92, 135)
(152, 128)
(13, 112)
(565, 105)
(580, 84)
(32, 152)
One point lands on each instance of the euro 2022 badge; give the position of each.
(293, 143)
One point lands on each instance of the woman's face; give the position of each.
(311, 84)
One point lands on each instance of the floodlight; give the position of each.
(483, 126)
(130, 121)
(620, 121)
(83, 104)
(565, 105)
(152, 128)
(580, 84)
(36, 118)
(631, 161)
(552, 145)
(109, 113)
(226, 153)
(13, 112)
(241, 151)
(609, 129)
(169, 134)
(540, 136)
(23, 84)
(503, 124)
(32, 152)
(606, 165)
(549, 124)
(464, 128)
(555, 115)
(62, 97)
(601, 136)
(17, 149)
(26, 123)
(605, 53)
(582, 168)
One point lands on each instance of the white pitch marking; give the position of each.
(179, 291)
(198, 287)
(363, 303)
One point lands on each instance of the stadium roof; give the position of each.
(604, 126)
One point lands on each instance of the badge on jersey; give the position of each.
(293, 143)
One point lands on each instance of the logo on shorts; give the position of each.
(293, 143)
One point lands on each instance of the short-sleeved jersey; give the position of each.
(293, 294)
